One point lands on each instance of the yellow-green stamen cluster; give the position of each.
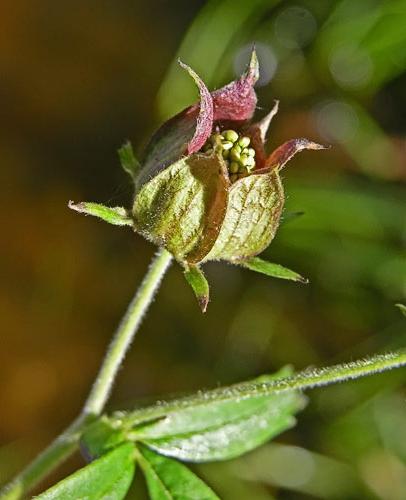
(239, 157)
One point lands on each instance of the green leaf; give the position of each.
(220, 430)
(271, 269)
(182, 207)
(402, 308)
(280, 383)
(224, 419)
(99, 437)
(253, 211)
(128, 160)
(108, 478)
(196, 279)
(169, 479)
(200, 413)
(233, 439)
(113, 215)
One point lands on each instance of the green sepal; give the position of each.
(128, 160)
(182, 208)
(118, 216)
(101, 436)
(254, 208)
(169, 479)
(197, 280)
(107, 477)
(271, 269)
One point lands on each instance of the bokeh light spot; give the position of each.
(295, 27)
(337, 121)
(350, 66)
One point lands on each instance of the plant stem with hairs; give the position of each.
(65, 444)
(205, 196)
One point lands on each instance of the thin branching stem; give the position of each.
(67, 442)
(47, 461)
(307, 379)
(317, 377)
(125, 334)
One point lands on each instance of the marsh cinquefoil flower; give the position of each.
(206, 189)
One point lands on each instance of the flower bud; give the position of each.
(207, 190)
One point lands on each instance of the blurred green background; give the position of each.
(77, 79)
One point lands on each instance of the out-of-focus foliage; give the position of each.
(78, 78)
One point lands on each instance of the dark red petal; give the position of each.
(263, 124)
(257, 133)
(204, 122)
(254, 133)
(237, 100)
(284, 153)
(187, 132)
(182, 134)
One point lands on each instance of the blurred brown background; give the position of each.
(76, 80)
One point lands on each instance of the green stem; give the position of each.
(67, 442)
(318, 377)
(307, 379)
(125, 334)
(60, 449)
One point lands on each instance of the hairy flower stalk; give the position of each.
(206, 188)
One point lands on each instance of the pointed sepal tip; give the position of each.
(204, 122)
(271, 269)
(128, 161)
(118, 216)
(252, 72)
(197, 280)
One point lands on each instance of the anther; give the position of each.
(239, 158)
